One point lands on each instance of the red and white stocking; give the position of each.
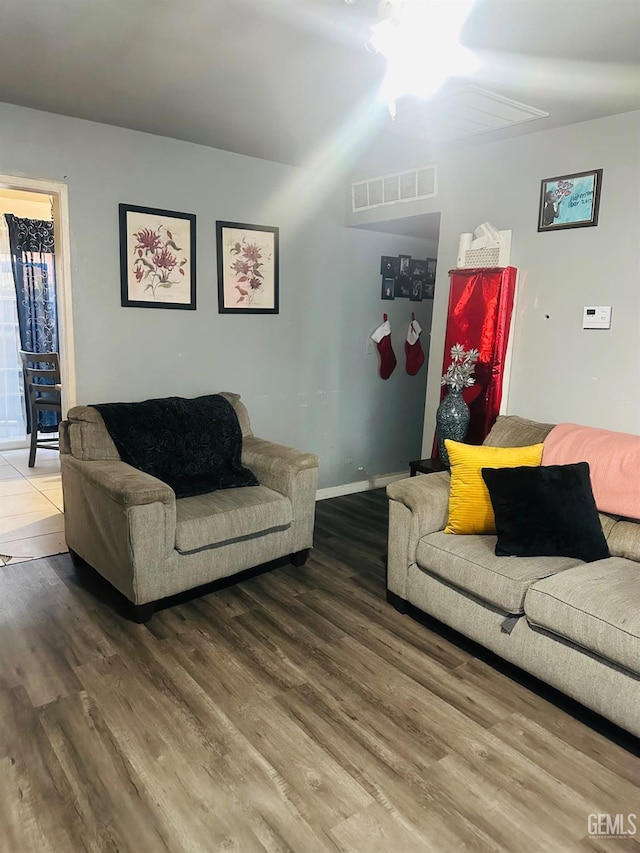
(382, 338)
(413, 348)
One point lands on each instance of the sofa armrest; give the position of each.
(293, 473)
(417, 506)
(427, 496)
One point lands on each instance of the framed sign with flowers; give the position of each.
(157, 258)
(247, 268)
(570, 201)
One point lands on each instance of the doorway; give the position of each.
(45, 202)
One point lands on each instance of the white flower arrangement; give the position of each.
(458, 375)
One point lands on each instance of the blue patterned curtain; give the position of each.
(32, 262)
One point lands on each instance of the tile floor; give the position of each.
(31, 519)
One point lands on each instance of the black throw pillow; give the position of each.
(546, 511)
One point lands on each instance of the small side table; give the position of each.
(425, 466)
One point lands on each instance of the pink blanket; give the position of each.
(614, 463)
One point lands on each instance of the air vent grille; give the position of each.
(427, 182)
(412, 185)
(462, 113)
(376, 192)
(408, 186)
(360, 193)
(391, 189)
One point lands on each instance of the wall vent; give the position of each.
(462, 113)
(412, 185)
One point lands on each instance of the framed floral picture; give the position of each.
(157, 258)
(247, 268)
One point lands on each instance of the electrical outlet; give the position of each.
(370, 347)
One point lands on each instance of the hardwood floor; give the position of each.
(295, 711)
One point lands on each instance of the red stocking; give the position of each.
(413, 348)
(382, 338)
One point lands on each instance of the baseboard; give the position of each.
(377, 482)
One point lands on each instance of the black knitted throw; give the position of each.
(193, 445)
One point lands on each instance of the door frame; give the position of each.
(59, 192)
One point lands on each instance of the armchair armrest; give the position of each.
(276, 465)
(417, 506)
(127, 485)
(292, 473)
(119, 519)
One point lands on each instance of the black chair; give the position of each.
(41, 372)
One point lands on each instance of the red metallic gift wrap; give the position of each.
(480, 308)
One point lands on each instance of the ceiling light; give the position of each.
(420, 41)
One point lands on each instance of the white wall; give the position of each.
(303, 374)
(560, 372)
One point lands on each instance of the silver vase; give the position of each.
(452, 421)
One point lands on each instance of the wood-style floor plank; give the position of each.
(113, 804)
(293, 712)
(37, 806)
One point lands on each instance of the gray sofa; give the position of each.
(130, 527)
(574, 625)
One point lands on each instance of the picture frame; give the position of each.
(428, 290)
(402, 287)
(404, 264)
(157, 258)
(417, 285)
(570, 201)
(389, 266)
(248, 268)
(417, 268)
(430, 277)
(388, 287)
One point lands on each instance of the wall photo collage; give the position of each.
(404, 277)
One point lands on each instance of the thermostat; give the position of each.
(596, 317)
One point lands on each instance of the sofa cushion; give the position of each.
(546, 512)
(594, 605)
(469, 562)
(89, 439)
(241, 412)
(88, 436)
(514, 431)
(614, 460)
(470, 509)
(623, 538)
(194, 444)
(229, 515)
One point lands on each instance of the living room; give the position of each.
(310, 381)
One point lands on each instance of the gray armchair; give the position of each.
(130, 527)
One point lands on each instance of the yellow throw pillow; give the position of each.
(470, 509)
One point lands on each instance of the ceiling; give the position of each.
(290, 80)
